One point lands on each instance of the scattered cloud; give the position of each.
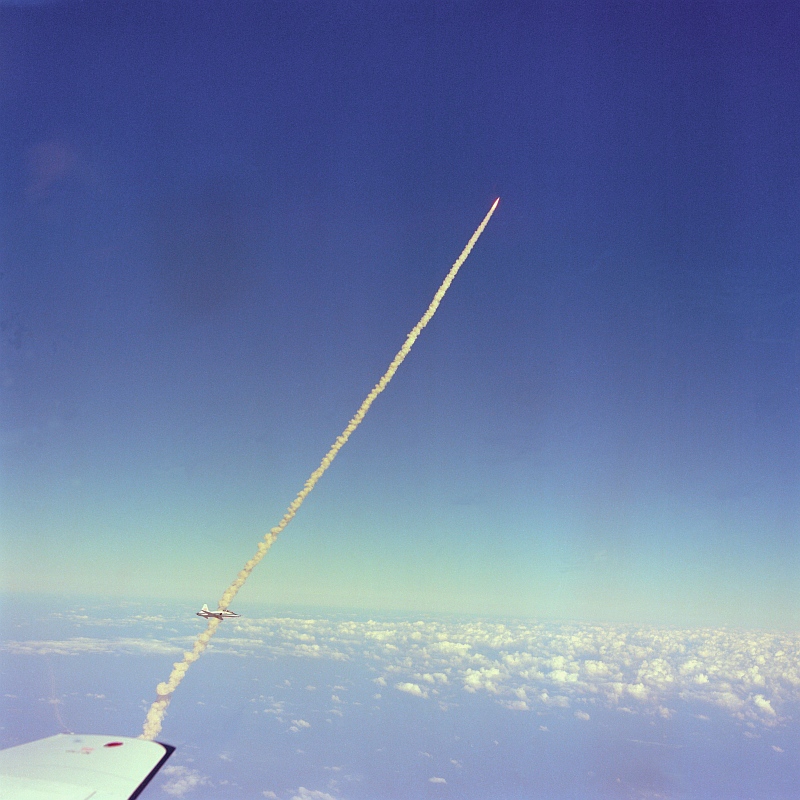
(182, 780)
(763, 704)
(312, 794)
(411, 688)
(436, 780)
(81, 645)
(528, 667)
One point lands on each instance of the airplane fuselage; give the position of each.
(220, 613)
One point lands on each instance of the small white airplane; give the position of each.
(220, 613)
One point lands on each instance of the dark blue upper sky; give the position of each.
(219, 221)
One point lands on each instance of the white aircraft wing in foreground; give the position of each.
(71, 767)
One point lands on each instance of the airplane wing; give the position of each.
(71, 767)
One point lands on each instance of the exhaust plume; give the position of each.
(155, 716)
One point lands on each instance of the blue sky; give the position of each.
(219, 224)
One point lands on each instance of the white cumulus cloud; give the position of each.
(312, 794)
(183, 780)
(411, 688)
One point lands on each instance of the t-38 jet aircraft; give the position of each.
(220, 613)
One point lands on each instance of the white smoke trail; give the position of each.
(56, 701)
(155, 716)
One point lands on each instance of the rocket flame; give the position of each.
(155, 716)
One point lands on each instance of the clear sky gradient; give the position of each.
(219, 222)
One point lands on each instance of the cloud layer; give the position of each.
(752, 675)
